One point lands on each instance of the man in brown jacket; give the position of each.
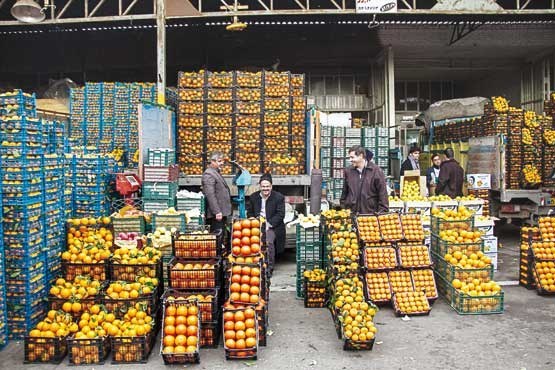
(451, 176)
(364, 189)
(217, 194)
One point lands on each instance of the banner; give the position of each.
(376, 6)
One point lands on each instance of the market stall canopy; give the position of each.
(451, 109)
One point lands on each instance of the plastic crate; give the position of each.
(208, 309)
(406, 251)
(380, 258)
(180, 358)
(302, 266)
(128, 224)
(196, 245)
(246, 353)
(315, 293)
(119, 306)
(442, 247)
(98, 271)
(210, 333)
(194, 278)
(157, 205)
(130, 273)
(160, 173)
(177, 221)
(187, 204)
(450, 272)
(160, 157)
(423, 279)
(398, 311)
(132, 350)
(44, 350)
(379, 294)
(56, 303)
(249, 79)
(464, 304)
(88, 351)
(438, 225)
(159, 190)
(351, 345)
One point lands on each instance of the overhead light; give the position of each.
(28, 11)
(236, 25)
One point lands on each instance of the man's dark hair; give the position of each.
(358, 149)
(414, 149)
(369, 155)
(435, 155)
(449, 153)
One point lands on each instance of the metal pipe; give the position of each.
(161, 50)
(97, 7)
(130, 7)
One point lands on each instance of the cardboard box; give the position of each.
(486, 227)
(413, 175)
(396, 206)
(424, 208)
(490, 244)
(476, 205)
(446, 204)
(493, 257)
(478, 181)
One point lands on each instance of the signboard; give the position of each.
(477, 181)
(376, 6)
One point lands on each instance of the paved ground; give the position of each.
(521, 338)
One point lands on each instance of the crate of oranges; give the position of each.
(380, 258)
(543, 250)
(400, 281)
(547, 228)
(194, 274)
(196, 244)
(207, 300)
(390, 227)
(414, 256)
(423, 280)
(132, 264)
(120, 295)
(412, 227)
(368, 228)
(410, 304)
(47, 341)
(240, 333)
(74, 297)
(543, 277)
(91, 344)
(314, 286)
(180, 332)
(377, 287)
(245, 285)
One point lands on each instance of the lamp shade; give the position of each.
(27, 11)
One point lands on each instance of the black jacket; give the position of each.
(275, 213)
(365, 193)
(407, 166)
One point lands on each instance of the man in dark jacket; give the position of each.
(270, 205)
(411, 163)
(432, 175)
(364, 189)
(451, 176)
(216, 191)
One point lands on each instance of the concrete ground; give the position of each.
(521, 338)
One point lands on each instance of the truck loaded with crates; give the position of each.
(513, 146)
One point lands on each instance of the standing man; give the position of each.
(411, 163)
(432, 175)
(451, 176)
(364, 189)
(216, 191)
(270, 205)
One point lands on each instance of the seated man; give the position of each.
(270, 205)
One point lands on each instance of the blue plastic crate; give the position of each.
(12, 228)
(22, 212)
(26, 262)
(26, 287)
(22, 123)
(23, 241)
(24, 187)
(22, 200)
(18, 96)
(22, 252)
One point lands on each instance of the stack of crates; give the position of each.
(56, 134)
(310, 253)
(53, 213)
(160, 180)
(3, 306)
(448, 273)
(106, 137)
(193, 204)
(381, 152)
(22, 174)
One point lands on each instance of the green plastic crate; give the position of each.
(450, 272)
(302, 266)
(438, 225)
(168, 221)
(129, 224)
(465, 304)
(442, 247)
(308, 235)
(159, 190)
(160, 157)
(155, 205)
(309, 251)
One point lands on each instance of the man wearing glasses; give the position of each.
(217, 194)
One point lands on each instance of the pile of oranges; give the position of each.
(40, 345)
(424, 281)
(544, 250)
(181, 328)
(390, 227)
(412, 227)
(407, 303)
(547, 228)
(414, 256)
(245, 284)
(380, 258)
(74, 297)
(240, 331)
(400, 281)
(378, 286)
(544, 273)
(246, 238)
(369, 229)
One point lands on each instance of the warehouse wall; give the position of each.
(504, 83)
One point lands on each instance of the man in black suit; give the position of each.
(270, 205)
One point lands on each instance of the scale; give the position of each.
(128, 186)
(242, 180)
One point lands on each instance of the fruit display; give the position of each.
(131, 264)
(411, 303)
(46, 342)
(90, 344)
(200, 274)
(191, 94)
(249, 94)
(245, 283)
(544, 273)
(74, 297)
(531, 174)
(160, 238)
(180, 332)
(549, 136)
(121, 294)
(527, 137)
(314, 288)
(412, 227)
(500, 104)
(468, 260)
(249, 79)
(460, 235)
(414, 256)
(424, 281)
(191, 79)
(220, 79)
(378, 258)
(547, 228)
(246, 238)
(368, 229)
(379, 290)
(133, 336)
(527, 234)
(411, 189)
(400, 281)
(390, 227)
(277, 78)
(240, 333)
(207, 301)
(530, 119)
(220, 94)
(197, 244)
(345, 251)
(446, 220)
(277, 104)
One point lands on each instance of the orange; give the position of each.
(239, 325)
(182, 311)
(169, 330)
(249, 313)
(245, 224)
(235, 287)
(250, 333)
(169, 340)
(249, 323)
(230, 343)
(180, 340)
(169, 320)
(192, 320)
(192, 341)
(229, 334)
(240, 334)
(229, 325)
(180, 320)
(228, 316)
(250, 342)
(192, 330)
(180, 329)
(239, 316)
(240, 344)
